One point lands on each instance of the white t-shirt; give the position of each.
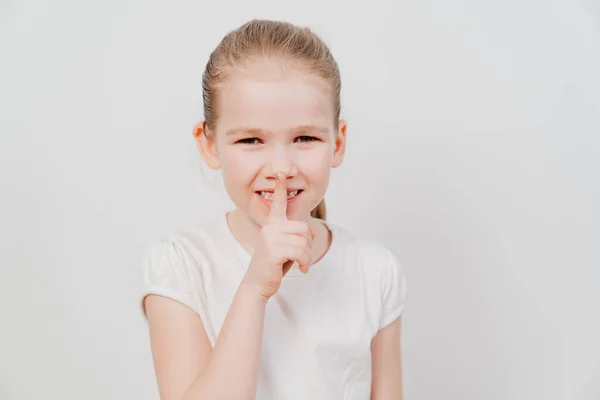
(318, 327)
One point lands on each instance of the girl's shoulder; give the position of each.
(176, 264)
(376, 266)
(187, 252)
(197, 238)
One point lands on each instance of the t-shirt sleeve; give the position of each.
(393, 292)
(165, 273)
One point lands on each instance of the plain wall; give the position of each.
(473, 152)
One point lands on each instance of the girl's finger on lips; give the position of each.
(278, 211)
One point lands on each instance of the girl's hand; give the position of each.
(280, 243)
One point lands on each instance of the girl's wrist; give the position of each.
(253, 291)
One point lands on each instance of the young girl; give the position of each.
(269, 300)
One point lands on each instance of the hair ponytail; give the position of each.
(319, 211)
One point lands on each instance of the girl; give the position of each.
(229, 315)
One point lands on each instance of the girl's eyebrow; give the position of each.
(242, 131)
(310, 129)
(301, 129)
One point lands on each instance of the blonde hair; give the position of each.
(267, 38)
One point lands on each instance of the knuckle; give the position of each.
(305, 227)
(267, 229)
(303, 242)
(304, 254)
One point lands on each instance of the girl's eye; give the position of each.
(303, 139)
(247, 141)
(308, 138)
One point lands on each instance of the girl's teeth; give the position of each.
(269, 195)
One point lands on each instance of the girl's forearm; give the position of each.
(232, 369)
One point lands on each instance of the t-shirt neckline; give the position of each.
(246, 257)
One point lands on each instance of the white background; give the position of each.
(473, 153)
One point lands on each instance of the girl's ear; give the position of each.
(340, 144)
(207, 145)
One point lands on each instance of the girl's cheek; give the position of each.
(318, 161)
(239, 167)
(231, 157)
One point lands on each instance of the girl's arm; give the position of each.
(387, 363)
(186, 366)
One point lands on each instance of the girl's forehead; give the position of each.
(271, 103)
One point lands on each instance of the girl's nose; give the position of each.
(282, 161)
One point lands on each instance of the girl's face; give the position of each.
(273, 117)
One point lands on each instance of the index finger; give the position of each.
(279, 204)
